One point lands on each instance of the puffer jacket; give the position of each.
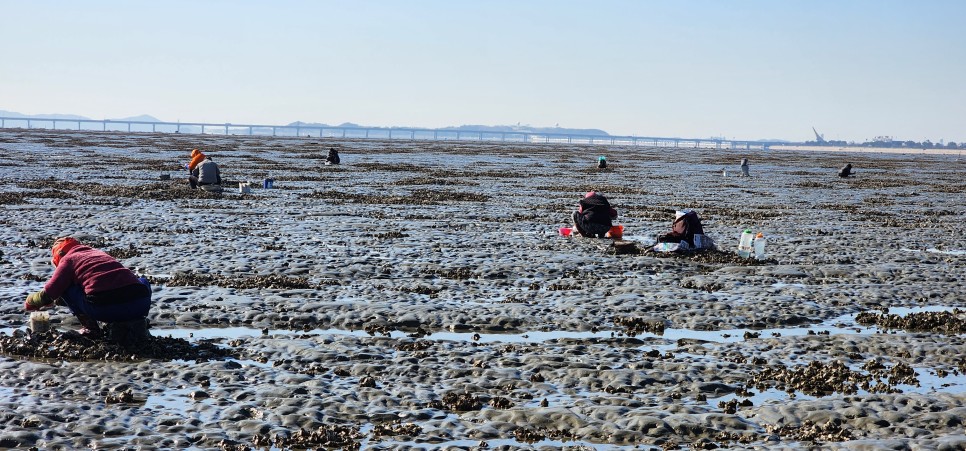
(208, 173)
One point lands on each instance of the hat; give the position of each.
(61, 247)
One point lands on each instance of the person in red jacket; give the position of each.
(94, 286)
(594, 216)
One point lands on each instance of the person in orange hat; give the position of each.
(196, 158)
(94, 286)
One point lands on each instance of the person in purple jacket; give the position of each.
(94, 286)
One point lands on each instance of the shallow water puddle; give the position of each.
(19, 396)
(841, 325)
(179, 402)
(932, 250)
(16, 293)
(947, 251)
(928, 383)
(644, 240)
(214, 333)
(495, 444)
(369, 442)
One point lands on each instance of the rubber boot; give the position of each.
(90, 328)
(129, 333)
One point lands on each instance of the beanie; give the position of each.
(61, 247)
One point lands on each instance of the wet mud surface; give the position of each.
(418, 296)
(57, 345)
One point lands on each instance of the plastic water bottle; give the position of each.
(760, 246)
(745, 244)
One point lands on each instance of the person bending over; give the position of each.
(94, 286)
(196, 158)
(207, 173)
(332, 157)
(846, 170)
(594, 216)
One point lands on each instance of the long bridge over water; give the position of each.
(407, 133)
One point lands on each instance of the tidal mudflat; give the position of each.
(418, 296)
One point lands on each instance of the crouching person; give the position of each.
(96, 288)
(332, 157)
(208, 176)
(197, 157)
(687, 233)
(594, 216)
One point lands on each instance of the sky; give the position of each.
(739, 69)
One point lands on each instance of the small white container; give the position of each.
(745, 244)
(760, 246)
(244, 188)
(39, 322)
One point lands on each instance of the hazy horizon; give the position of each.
(744, 70)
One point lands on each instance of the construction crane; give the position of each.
(819, 138)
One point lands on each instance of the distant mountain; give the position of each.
(488, 128)
(529, 129)
(141, 118)
(307, 124)
(42, 116)
(485, 128)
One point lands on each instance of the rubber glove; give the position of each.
(37, 301)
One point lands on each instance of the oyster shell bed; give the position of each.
(381, 303)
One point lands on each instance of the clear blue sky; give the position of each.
(741, 69)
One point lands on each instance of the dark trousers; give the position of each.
(589, 229)
(78, 304)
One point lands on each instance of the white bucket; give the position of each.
(244, 188)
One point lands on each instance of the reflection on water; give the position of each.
(369, 443)
(928, 383)
(841, 325)
(938, 251)
(498, 444)
(179, 402)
